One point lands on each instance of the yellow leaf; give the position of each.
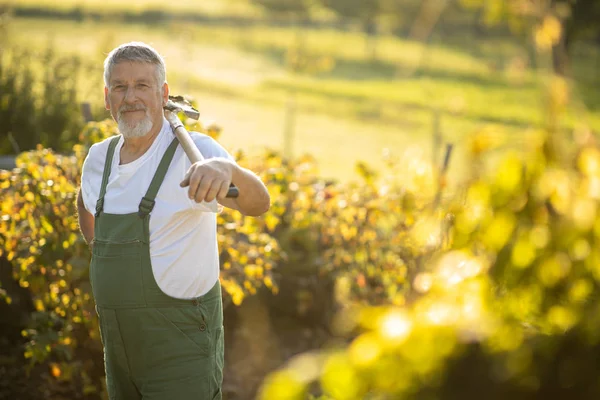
(523, 253)
(589, 161)
(271, 221)
(282, 385)
(39, 305)
(548, 33)
(499, 230)
(46, 225)
(268, 282)
(237, 297)
(56, 372)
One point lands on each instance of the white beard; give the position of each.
(136, 130)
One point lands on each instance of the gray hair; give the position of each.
(135, 52)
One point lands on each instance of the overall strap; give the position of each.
(107, 166)
(147, 203)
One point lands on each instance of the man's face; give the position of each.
(135, 99)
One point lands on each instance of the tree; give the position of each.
(556, 24)
(363, 11)
(293, 8)
(582, 23)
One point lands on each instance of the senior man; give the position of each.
(149, 216)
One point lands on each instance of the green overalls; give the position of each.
(156, 347)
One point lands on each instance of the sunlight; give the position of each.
(396, 325)
(423, 282)
(456, 266)
(441, 314)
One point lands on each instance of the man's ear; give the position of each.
(106, 102)
(165, 93)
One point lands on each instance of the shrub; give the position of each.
(507, 309)
(315, 229)
(496, 281)
(40, 238)
(39, 100)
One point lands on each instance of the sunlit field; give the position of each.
(240, 79)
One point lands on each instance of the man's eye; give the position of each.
(142, 86)
(119, 87)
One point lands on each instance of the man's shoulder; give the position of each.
(100, 149)
(96, 156)
(208, 146)
(202, 139)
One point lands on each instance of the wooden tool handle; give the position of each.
(190, 147)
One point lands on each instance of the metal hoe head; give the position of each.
(178, 103)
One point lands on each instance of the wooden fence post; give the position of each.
(86, 111)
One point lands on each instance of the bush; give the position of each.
(314, 232)
(40, 238)
(508, 310)
(494, 284)
(39, 100)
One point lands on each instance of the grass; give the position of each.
(358, 108)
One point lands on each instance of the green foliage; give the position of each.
(299, 60)
(295, 8)
(359, 9)
(313, 227)
(39, 102)
(510, 299)
(364, 12)
(551, 20)
(509, 264)
(39, 236)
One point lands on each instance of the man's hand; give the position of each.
(208, 179)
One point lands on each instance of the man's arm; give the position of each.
(209, 179)
(86, 220)
(253, 199)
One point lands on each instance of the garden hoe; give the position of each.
(179, 104)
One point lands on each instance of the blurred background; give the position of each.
(435, 182)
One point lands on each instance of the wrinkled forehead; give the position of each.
(132, 72)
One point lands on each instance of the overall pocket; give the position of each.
(186, 323)
(116, 274)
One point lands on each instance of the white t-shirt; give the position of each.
(183, 240)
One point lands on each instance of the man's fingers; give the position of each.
(203, 189)
(223, 190)
(212, 193)
(195, 181)
(206, 182)
(185, 181)
(186, 178)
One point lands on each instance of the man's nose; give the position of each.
(130, 95)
